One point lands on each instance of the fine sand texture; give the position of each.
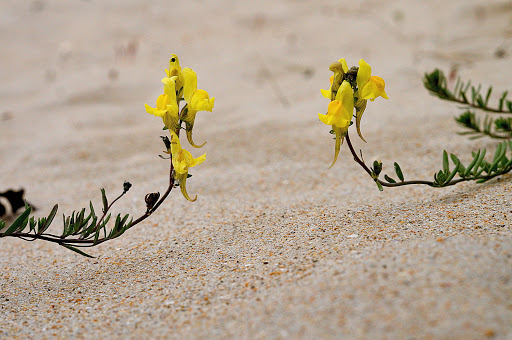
(277, 245)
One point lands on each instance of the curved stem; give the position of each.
(385, 184)
(429, 183)
(161, 200)
(106, 210)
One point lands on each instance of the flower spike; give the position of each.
(339, 115)
(182, 160)
(368, 87)
(197, 100)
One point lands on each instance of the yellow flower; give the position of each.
(166, 105)
(175, 71)
(368, 87)
(327, 93)
(339, 68)
(197, 100)
(182, 160)
(339, 114)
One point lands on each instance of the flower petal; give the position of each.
(346, 96)
(170, 87)
(183, 187)
(171, 117)
(344, 64)
(190, 83)
(363, 74)
(326, 93)
(340, 135)
(360, 106)
(174, 66)
(175, 143)
(201, 101)
(326, 119)
(198, 160)
(190, 139)
(154, 111)
(374, 88)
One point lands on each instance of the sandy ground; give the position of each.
(277, 245)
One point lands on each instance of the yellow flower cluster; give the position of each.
(347, 94)
(178, 85)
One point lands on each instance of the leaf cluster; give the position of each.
(80, 229)
(498, 128)
(465, 93)
(478, 169)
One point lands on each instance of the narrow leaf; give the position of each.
(77, 250)
(472, 164)
(479, 161)
(446, 164)
(487, 96)
(389, 179)
(464, 98)
(456, 160)
(453, 173)
(32, 223)
(49, 220)
(399, 172)
(497, 159)
(104, 198)
(502, 100)
(20, 222)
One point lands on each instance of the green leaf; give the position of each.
(479, 162)
(89, 230)
(20, 222)
(476, 94)
(379, 186)
(464, 98)
(487, 96)
(440, 177)
(457, 85)
(93, 213)
(472, 164)
(389, 179)
(502, 100)
(480, 102)
(77, 250)
(32, 223)
(123, 221)
(497, 152)
(97, 234)
(468, 84)
(453, 173)
(456, 160)
(446, 164)
(501, 151)
(104, 199)
(399, 172)
(49, 220)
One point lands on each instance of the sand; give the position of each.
(277, 245)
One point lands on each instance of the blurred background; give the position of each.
(76, 74)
